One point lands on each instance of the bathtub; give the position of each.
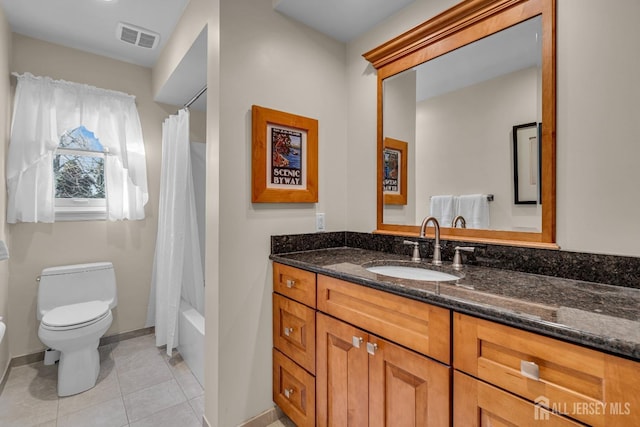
(191, 335)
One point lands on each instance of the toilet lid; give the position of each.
(75, 314)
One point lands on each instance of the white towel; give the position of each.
(475, 210)
(443, 208)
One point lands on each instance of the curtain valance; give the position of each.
(44, 109)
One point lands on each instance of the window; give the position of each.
(78, 173)
(56, 167)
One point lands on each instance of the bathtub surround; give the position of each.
(600, 268)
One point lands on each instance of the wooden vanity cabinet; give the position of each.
(365, 380)
(349, 355)
(478, 404)
(587, 385)
(294, 342)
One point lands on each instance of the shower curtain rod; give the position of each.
(195, 97)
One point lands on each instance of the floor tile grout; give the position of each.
(38, 388)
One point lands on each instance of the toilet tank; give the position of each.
(72, 284)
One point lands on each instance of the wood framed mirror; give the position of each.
(411, 63)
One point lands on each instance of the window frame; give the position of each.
(80, 208)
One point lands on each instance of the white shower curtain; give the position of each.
(177, 269)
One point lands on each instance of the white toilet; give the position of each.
(74, 309)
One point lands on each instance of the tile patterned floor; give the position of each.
(138, 386)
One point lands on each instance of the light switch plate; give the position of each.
(320, 222)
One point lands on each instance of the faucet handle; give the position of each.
(457, 258)
(416, 250)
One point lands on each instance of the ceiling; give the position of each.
(341, 19)
(90, 25)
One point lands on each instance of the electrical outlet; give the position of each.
(319, 222)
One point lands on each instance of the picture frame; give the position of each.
(394, 176)
(284, 153)
(527, 152)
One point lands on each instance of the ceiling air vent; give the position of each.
(137, 36)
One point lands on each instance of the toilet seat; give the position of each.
(75, 316)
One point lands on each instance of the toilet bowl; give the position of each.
(74, 309)
(77, 338)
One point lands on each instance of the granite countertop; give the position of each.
(596, 315)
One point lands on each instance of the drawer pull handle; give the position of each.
(530, 370)
(291, 283)
(356, 341)
(371, 348)
(288, 331)
(288, 392)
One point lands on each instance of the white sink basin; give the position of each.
(413, 273)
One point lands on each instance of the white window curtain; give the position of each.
(43, 110)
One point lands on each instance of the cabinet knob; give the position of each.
(530, 370)
(291, 283)
(371, 348)
(356, 341)
(288, 392)
(288, 331)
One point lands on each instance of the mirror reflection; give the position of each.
(456, 114)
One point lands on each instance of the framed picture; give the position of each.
(394, 179)
(284, 157)
(526, 163)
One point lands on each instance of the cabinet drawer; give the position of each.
(477, 404)
(294, 331)
(294, 390)
(590, 386)
(296, 284)
(413, 324)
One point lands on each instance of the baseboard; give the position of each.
(5, 377)
(27, 359)
(263, 420)
(127, 335)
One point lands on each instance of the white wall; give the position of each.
(468, 132)
(598, 203)
(267, 59)
(598, 111)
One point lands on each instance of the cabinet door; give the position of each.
(294, 331)
(294, 390)
(341, 374)
(406, 389)
(588, 385)
(478, 404)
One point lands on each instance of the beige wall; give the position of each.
(128, 244)
(597, 107)
(5, 47)
(400, 123)
(361, 97)
(204, 128)
(271, 61)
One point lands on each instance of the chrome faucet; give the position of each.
(437, 259)
(463, 222)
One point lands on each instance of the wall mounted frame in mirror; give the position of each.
(394, 178)
(399, 64)
(526, 163)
